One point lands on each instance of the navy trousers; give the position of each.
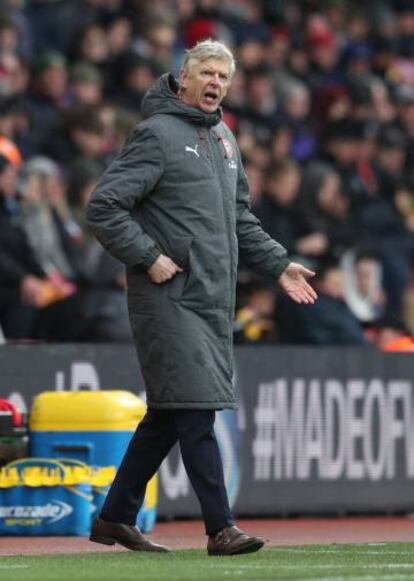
(153, 439)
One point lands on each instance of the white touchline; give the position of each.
(349, 577)
(354, 577)
(323, 566)
(376, 544)
(336, 551)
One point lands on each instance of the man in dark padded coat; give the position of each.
(174, 207)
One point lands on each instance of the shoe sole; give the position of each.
(102, 540)
(249, 547)
(110, 541)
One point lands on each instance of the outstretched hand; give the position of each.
(293, 282)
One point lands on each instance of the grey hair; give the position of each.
(208, 49)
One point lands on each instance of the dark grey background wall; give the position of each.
(317, 430)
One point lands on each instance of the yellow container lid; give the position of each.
(104, 410)
(36, 476)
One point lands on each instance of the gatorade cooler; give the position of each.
(39, 497)
(94, 427)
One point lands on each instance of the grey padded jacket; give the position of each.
(178, 187)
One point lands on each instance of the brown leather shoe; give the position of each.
(233, 541)
(109, 533)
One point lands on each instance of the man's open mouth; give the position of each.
(211, 97)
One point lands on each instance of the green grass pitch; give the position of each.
(369, 562)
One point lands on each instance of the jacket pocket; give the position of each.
(208, 284)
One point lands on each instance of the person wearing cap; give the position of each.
(85, 84)
(174, 208)
(323, 49)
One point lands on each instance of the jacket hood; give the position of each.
(162, 97)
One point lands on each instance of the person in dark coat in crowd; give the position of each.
(380, 222)
(325, 210)
(20, 274)
(280, 212)
(174, 207)
(36, 265)
(46, 98)
(328, 322)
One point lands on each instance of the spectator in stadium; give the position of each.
(338, 141)
(261, 102)
(405, 118)
(14, 130)
(20, 275)
(256, 180)
(118, 33)
(46, 97)
(404, 202)
(91, 45)
(85, 85)
(174, 208)
(81, 134)
(9, 35)
(391, 160)
(281, 141)
(37, 218)
(295, 105)
(380, 223)
(328, 322)
(136, 75)
(56, 242)
(255, 320)
(280, 215)
(364, 293)
(14, 75)
(324, 210)
(38, 261)
(160, 38)
(324, 53)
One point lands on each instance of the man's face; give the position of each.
(368, 275)
(204, 85)
(333, 284)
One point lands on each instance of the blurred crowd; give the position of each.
(322, 104)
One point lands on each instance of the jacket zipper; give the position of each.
(213, 139)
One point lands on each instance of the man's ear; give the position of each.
(183, 75)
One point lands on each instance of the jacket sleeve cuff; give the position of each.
(150, 257)
(284, 263)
